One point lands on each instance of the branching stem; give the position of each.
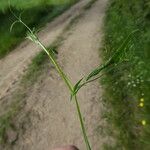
(94, 75)
(70, 86)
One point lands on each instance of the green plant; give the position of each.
(116, 58)
(126, 85)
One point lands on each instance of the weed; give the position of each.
(94, 75)
(129, 83)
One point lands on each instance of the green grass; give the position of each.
(130, 82)
(41, 14)
(4, 5)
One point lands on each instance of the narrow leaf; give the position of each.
(122, 48)
(75, 89)
(11, 27)
(77, 84)
(95, 72)
(114, 59)
(21, 15)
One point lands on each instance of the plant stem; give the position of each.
(62, 74)
(70, 86)
(35, 39)
(82, 124)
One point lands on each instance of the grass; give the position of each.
(4, 5)
(41, 14)
(127, 85)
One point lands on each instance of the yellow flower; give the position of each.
(143, 122)
(142, 99)
(141, 104)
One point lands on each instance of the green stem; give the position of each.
(70, 86)
(62, 74)
(65, 78)
(82, 124)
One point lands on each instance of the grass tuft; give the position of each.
(129, 83)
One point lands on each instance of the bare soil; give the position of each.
(53, 119)
(13, 66)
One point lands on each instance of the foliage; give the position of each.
(128, 84)
(21, 4)
(41, 14)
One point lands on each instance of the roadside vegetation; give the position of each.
(127, 86)
(41, 12)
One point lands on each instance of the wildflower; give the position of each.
(143, 122)
(142, 99)
(141, 104)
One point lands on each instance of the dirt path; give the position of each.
(53, 117)
(12, 66)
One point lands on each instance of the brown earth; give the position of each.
(53, 118)
(12, 66)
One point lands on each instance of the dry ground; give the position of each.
(12, 66)
(53, 120)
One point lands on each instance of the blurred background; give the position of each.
(36, 13)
